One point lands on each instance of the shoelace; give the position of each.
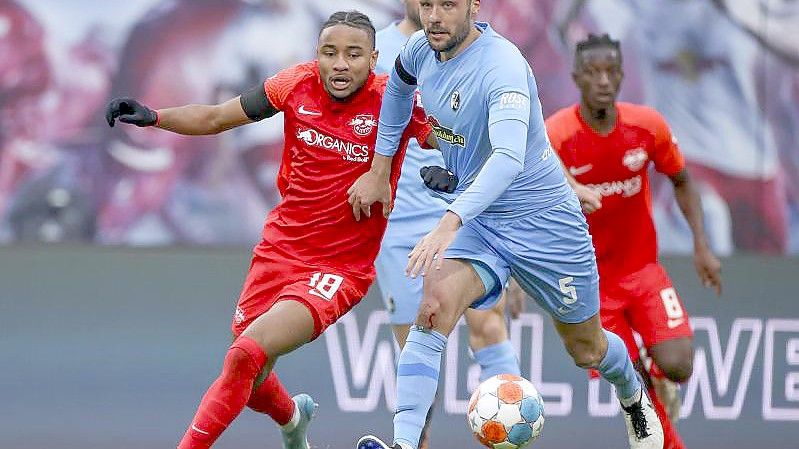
(638, 420)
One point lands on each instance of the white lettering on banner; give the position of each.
(557, 396)
(791, 390)
(363, 368)
(380, 375)
(597, 407)
(700, 382)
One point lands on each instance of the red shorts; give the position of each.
(328, 293)
(645, 302)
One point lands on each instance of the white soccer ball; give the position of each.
(506, 412)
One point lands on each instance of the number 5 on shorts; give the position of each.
(567, 289)
(325, 285)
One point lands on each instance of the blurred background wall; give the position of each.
(723, 72)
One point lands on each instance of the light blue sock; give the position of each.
(417, 382)
(617, 368)
(499, 358)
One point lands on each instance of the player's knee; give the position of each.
(675, 361)
(585, 353)
(487, 330)
(428, 309)
(677, 369)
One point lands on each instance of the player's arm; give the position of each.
(669, 160)
(194, 119)
(508, 97)
(395, 114)
(707, 265)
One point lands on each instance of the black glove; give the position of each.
(439, 178)
(130, 111)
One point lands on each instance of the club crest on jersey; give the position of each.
(635, 159)
(363, 124)
(446, 134)
(455, 100)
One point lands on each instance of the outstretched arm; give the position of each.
(708, 267)
(194, 119)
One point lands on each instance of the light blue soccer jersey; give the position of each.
(487, 82)
(519, 215)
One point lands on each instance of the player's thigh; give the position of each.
(656, 311)
(476, 244)
(401, 294)
(448, 292)
(552, 259)
(287, 325)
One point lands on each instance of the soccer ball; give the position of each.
(506, 412)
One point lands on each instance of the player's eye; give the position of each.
(355, 55)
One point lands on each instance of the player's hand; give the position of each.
(128, 110)
(708, 267)
(590, 199)
(370, 188)
(516, 298)
(429, 252)
(439, 179)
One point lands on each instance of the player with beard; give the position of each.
(316, 261)
(415, 213)
(511, 213)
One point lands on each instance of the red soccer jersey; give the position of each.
(616, 165)
(328, 145)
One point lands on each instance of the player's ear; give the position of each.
(475, 6)
(373, 59)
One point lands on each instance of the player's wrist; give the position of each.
(701, 246)
(450, 221)
(381, 165)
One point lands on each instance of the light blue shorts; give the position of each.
(549, 253)
(401, 294)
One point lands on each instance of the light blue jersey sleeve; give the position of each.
(508, 96)
(395, 112)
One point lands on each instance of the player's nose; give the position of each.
(340, 64)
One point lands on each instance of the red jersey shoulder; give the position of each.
(643, 117)
(280, 86)
(562, 125)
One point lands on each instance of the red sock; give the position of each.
(671, 439)
(227, 396)
(272, 399)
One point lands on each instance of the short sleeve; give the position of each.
(280, 86)
(667, 158)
